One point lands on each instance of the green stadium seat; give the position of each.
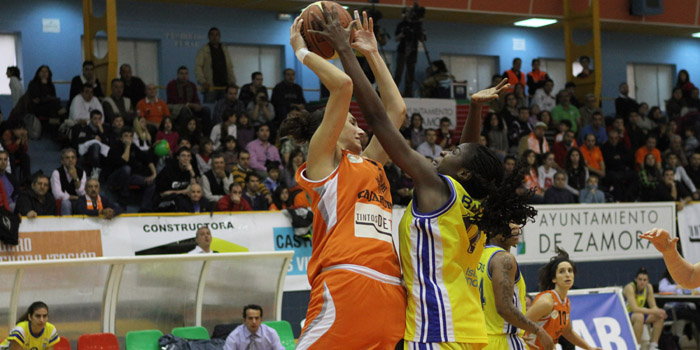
(191, 333)
(143, 340)
(284, 330)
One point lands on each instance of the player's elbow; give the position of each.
(342, 84)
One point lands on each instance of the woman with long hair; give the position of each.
(245, 132)
(497, 133)
(551, 308)
(225, 128)
(42, 94)
(528, 162)
(417, 131)
(166, 132)
(229, 149)
(16, 88)
(684, 83)
(281, 199)
(353, 270)
(510, 111)
(457, 197)
(576, 171)
(33, 330)
(142, 138)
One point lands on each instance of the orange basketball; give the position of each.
(317, 43)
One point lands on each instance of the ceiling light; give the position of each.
(535, 22)
(696, 35)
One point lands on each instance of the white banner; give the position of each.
(432, 110)
(689, 232)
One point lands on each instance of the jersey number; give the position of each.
(562, 318)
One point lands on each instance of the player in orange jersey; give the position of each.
(357, 300)
(551, 308)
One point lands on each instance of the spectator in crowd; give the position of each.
(81, 107)
(619, 167)
(244, 130)
(529, 159)
(561, 149)
(680, 310)
(438, 84)
(444, 135)
(648, 148)
(429, 148)
(514, 75)
(14, 141)
(400, 193)
(589, 108)
(597, 128)
(509, 163)
(151, 107)
(228, 105)
(92, 139)
(287, 96)
(68, 181)
(183, 99)
(684, 83)
(624, 105)
(536, 79)
(676, 148)
(203, 157)
(510, 111)
(117, 103)
(571, 88)
(649, 178)
(636, 135)
(565, 110)
(551, 131)
(675, 104)
(166, 132)
(253, 334)
(519, 92)
(128, 165)
(272, 181)
(86, 78)
(665, 133)
(36, 200)
(261, 111)
(281, 199)
(134, 87)
(16, 87)
(194, 202)
(544, 98)
(174, 180)
(234, 201)
(656, 115)
(692, 103)
(142, 136)
(417, 133)
(535, 140)
(644, 122)
(191, 131)
(576, 171)
(546, 171)
(680, 175)
(229, 150)
(216, 181)
(203, 240)
(213, 67)
(9, 188)
(691, 143)
(641, 305)
(586, 71)
(619, 125)
(250, 91)
(520, 128)
(262, 150)
(296, 159)
(593, 156)
(693, 169)
(668, 189)
(242, 169)
(42, 95)
(494, 128)
(558, 194)
(92, 204)
(252, 193)
(591, 194)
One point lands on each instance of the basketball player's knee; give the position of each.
(637, 318)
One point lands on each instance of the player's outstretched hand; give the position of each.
(333, 31)
(364, 40)
(490, 94)
(295, 38)
(661, 239)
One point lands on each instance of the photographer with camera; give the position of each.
(260, 110)
(408, 33)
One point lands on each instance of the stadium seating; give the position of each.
(142, 340)
(63, 344)
(191, 333)
(98, 341)
(284, 330)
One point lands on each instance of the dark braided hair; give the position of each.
(549, 271)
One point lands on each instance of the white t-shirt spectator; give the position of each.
(544, 101)
(425, 149)
(545, 177)
(80, 109)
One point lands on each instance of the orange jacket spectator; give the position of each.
(594, 157)
(642, 152)
(153, 110)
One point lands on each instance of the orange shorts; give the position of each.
(349, 310)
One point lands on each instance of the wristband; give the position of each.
(301, 53)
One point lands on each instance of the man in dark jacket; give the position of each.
(174, 180)
(128, 165)
(194, 202)
(558, 194)
(92, 204)
(620, 176)
(287, 96)
(37, 200)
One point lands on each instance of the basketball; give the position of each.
(317, 43)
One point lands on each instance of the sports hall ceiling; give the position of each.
(680, 17)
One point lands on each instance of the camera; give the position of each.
(416, 13)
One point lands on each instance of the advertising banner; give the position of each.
(432, 110)
(600, 318)
(689, 232)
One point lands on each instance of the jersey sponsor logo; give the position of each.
(353, 158)
(372, 221)
(554, 314)
(472, 279)
(381, 183)
(372, 196)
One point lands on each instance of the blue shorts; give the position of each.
(645, 316)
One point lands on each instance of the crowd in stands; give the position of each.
(180, 155)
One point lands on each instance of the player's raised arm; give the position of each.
(682, 271)
(472, 127)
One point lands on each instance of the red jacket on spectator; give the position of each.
(225, 204)
(9, 141)
(560, 153)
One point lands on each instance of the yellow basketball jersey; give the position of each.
(495, 324)
(640, 298)
(440, 252)
(23, 335)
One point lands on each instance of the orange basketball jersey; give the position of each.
(352, 217)
(556, 322)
